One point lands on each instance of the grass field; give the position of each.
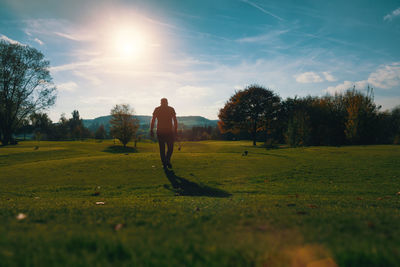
(321, 206)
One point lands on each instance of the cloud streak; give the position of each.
(262, 9)
(67, 87)
(53, 28)
(37, 40)
(263, 38)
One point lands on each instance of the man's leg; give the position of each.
(161, 143)
(170, 144)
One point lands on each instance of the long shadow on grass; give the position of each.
(184, 187)
(120, 149)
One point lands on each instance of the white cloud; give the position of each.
(37, 40)
(345, 86)
(67, 87)
(329, 77)
(392, 15)
(313, 77)
(9, 40)
(385, 77)
(309, 77)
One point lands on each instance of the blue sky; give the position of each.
(197, 53)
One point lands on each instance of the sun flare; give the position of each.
(129, 43)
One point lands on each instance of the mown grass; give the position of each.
(281, 207)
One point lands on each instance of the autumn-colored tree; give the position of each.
(251, 109)
(123, 124)
(361, 117)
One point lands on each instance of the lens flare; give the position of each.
(129, 43)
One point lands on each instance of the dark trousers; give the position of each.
(168, 139)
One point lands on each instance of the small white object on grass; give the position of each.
(21, 216)
(118, 226)
(100, 203)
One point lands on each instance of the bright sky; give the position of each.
(197, 53)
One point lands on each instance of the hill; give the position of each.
(144, 122)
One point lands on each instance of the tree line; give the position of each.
(347, 118)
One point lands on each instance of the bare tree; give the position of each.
(123, 124)
(25, 86)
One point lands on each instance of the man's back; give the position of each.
(164, 115)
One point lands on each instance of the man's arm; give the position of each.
(152, 126)
(175, 124)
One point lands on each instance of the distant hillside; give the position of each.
(144, 122)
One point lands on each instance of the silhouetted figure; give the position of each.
(166, 130)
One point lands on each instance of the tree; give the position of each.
(252, 109)
(24, 128)
(42, 124)
(76, 125)
(25, 86)
(298, 132)
(62, 132)
(101, 132)
(312, 121)
(360, 125)
(123, 124)
(394, 125)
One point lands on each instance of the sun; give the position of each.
(128, 43)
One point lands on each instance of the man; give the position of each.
(166, 132)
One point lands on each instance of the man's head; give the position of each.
(164, 102)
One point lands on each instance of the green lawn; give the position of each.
(280, 207)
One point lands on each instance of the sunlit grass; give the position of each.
(271, 207)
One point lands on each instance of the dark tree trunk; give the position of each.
(6, 139)
(267, 128)
(255, 133)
